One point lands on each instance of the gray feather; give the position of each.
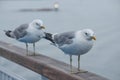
(64, 38)
(20, 31)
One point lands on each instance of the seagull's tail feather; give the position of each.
(48, 36)
(8, 33)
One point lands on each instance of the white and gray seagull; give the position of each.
(73, 43)
(28, 33)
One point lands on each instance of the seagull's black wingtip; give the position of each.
(7, 32)
(48, 36)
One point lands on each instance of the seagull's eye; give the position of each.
(37, 24)
(86, 33)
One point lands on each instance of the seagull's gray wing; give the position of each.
(20, 31)
(64, 38)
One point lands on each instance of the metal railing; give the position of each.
(7, 75)
(46, 66)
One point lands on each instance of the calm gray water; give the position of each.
(103, 16)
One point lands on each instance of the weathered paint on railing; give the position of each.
(46, 66)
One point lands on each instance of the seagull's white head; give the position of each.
(37, 23)
(88, 34)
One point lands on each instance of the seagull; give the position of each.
(73, 43)
(28, 33)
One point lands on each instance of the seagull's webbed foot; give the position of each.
(76, 72)
(79, 71)
(82, 71)
(73, 72)
(31, 55)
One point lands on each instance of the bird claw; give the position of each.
(79, 71)
(31, 55)
(82, 71)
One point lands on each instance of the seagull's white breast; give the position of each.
(79, 46)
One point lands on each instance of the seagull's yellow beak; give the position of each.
(93, 37)
(42, 27)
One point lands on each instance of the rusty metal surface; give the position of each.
(46, 66)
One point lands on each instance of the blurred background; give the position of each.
(103, 16)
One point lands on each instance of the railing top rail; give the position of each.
(46, 66)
